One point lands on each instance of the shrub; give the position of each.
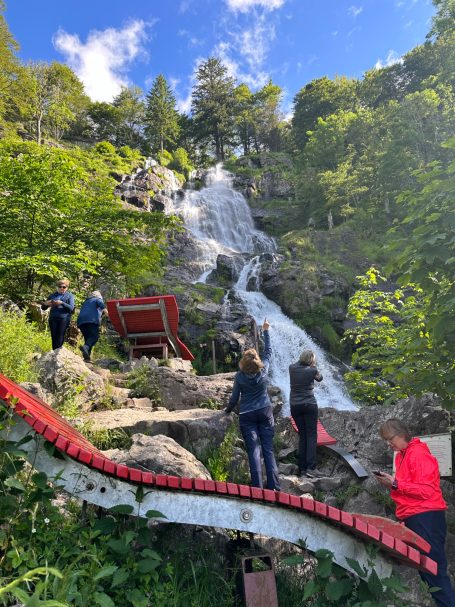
(104, 148)
(164, 158)
(20, 340)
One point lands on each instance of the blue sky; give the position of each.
(110, 43)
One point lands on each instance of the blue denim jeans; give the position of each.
(431, 526)
(258, 429)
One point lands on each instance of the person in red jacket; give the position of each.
(416, 491)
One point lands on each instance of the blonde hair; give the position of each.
(250, 362)
(96, 294)
(308, 357)
(64, 280)
(394, 427)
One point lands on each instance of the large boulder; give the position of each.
(65, 375)
(161, 455)
(197, 429)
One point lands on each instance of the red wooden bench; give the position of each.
(191, 500)
(150, 324)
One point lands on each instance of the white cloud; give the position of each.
(354, 11)
(103, 60)
(391, 58)
(243, 6)
(255, 80)
(253, 44)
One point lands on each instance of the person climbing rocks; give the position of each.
(304, 410)
(415, 488)
(256, 414)
(61, 302)
(89, 321)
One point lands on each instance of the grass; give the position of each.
(106, 438)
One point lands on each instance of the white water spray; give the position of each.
(219, 217)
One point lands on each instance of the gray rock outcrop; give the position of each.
(160, 455)
(197, 429)
(65, 374)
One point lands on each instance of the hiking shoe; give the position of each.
(85, 353)
(315, 474)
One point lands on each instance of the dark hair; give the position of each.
(250, 362)
(394, 427)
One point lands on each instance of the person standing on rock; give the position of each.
(256, 414)
(61, 303)
(304, 410)
(89, 321)
(416, 491)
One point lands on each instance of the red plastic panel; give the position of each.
(109, 466)
(221, 487)
(320, 508)
(187, 484)
(308, 504)
(148, 321)
(324, 437)
(295, 501)
(269, 495)
(232, 488)
(244, 491)
(148, 478)
(397, 530)
(428, 565)
(209, 486)
(333, 513)
(161, 480)
(173, 482)
(199, 484)
(135, 475)
(122, 471)
(257, 493)
(284, 498)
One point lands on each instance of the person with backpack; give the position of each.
(89, 321)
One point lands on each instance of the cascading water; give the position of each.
(220, 219)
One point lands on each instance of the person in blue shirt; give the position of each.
(256, 415)
(89, 321)
(62, 305)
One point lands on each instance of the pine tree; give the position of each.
(213, 104)
(161, 117)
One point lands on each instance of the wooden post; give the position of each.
(213, 357)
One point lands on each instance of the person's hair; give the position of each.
(307, 357)
(96, 294)
(394, 427)
(250, 362)
(64, 280)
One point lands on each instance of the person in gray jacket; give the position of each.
(304, 410)
(256, 415)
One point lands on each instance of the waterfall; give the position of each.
(220, 219)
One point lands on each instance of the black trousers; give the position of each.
(306, 419)
(431, 526)
(58, 327)
(91, 333)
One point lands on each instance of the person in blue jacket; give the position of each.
(256, 415)
(89, 321)
(62, 305)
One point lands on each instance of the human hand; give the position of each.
(56, 302)
(385, 479)
(265, 325)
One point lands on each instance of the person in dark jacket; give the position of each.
(415, 488)
(256, 415)
(61, 303)
(89, 321)
(304, 410)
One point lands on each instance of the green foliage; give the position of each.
(180, 162)
(331, 585)
(60, 217)
(161, 117)
(20, 342)
(219, 462)
(104, 148)
(106, 438)
(164, 158)
(212, 105)
(143, 383)
(392, 345)
(55, 558)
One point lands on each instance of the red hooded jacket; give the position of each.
(417, 474)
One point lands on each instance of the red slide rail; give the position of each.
(44, 420)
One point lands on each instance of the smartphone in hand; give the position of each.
(377, 472)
